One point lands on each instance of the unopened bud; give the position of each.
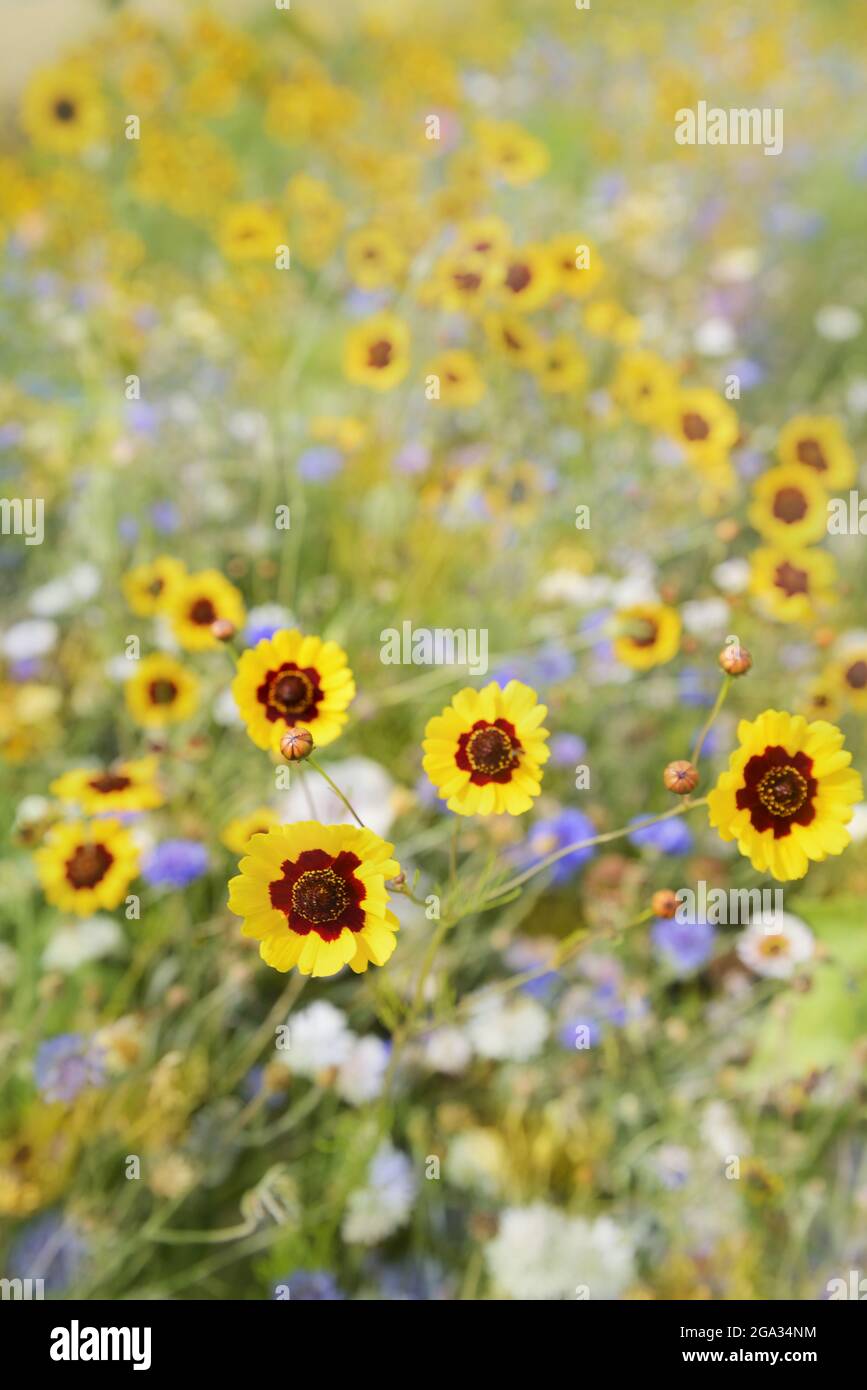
(223, 630)
(735, 660)
(664, 903)
(680, 777)
(296, 744)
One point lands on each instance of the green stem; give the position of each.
(708, 724)
(337, 792)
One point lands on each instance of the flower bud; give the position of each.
(296, 744)
(680, 777)
(223, 630)
(664, 903)
(735, 660)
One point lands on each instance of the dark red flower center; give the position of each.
(162, 692)
(88, 865)
(791, 580)
(110, 782)
(290, 693)
(203, 612)
(790, 505)
(64, 109)
(320, 892)
(468, 280)
(379, 353)
(779, 790)
(695, 427)
(518, 277)
(645, 633)
(489, 752)
(856, 675)
(809, 451)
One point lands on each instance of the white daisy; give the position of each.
(776, 950)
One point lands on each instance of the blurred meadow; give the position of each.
(325, 324)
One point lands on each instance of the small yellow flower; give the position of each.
(376, 353)
(130, 786)
(648, 635)
(514, 338)
(457, 373)
(527, 279)
(290, 680)
(607, 318)
(818, 442)
(644, 386)
(484, 753)
(87, 867)
(703, 423)
(848, 675)
(161, 692)
(148, 588)
(790, 507)
(788, 793)
(63, 110)
(197, 602)
(510, 152)
(577, 265)
(250, 232)
(561, 367)
(314, 896)
(790, 585)
(374, 258)
(237, 834)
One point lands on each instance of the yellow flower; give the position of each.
(527, 279)
(788, 793)
(86, 867)
(63, 110)
(198, 601)
(376, 353)
(130, 786)
(848, 675)
(513, 338)
(485, 237)
(462, 281)
(161, 692)
(374, 258)
(703, 423)
(458, 375)
(644, 386)
(250, 232)
(648, 635)
(606, 318)
(484, 753)
(790, 584)
(148, 588)
(818, 442)
(790, 507)
(577, 265)
(314, 896)
(510, 152)
(237, 834)
(288, 680)
(561, 367)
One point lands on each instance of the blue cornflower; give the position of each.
(555, 833)
(311, 1286)
(175, 863)
(49, 1249)
(686, 946)
(667, 836)
(67, 1065)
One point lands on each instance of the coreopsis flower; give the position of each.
(237, 834)
(526, 280)
(290, 680)
(847, 677)
(560, 368)
(609, 319)
(129, 786)
(510, 152)
(198, 601)
(788, 794)
(161, 691)
(644, 386)
(790, 585)
(250, 232)
(818, 442)
(376, 352)
(703, 424)
(484, 753)
(460, 382)
(63, 110)
(314, 896)
(87, 866)
(148, 588)
(514, 338)
(484, 236)
(374, 258)
(648, 634)
(790, 506)
(576, 263)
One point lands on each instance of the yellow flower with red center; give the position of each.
(63, 110)
(702, 423)
(648, 634)
(577, 265)
(790, 585)
(87, 867)
(787, 795)
(790, 506)
(129, 786)
(848, 675)
(161, 691)
(250, 232)
(290, 680)
(376, 352)
(514, 338)
(644, 386)
(196, 603)
(511, 152)
(237, 834)
(314, 896)
(374, 258)
(484, 753)
(149, 587)
(527, 279)
(818, 442)
(458, 378)
(462, 281)
(561, 367)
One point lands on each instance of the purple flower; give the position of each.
(567, 750)
(311, 1286)
(555, 833)
(666, 836)
(686, 946)
(66, 1065)
(165, 518)
(320, 463)
(175, 863)
(49, 1249)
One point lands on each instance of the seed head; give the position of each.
(680, 777)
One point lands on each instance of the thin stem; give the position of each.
(337, 792)
(720, 700)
